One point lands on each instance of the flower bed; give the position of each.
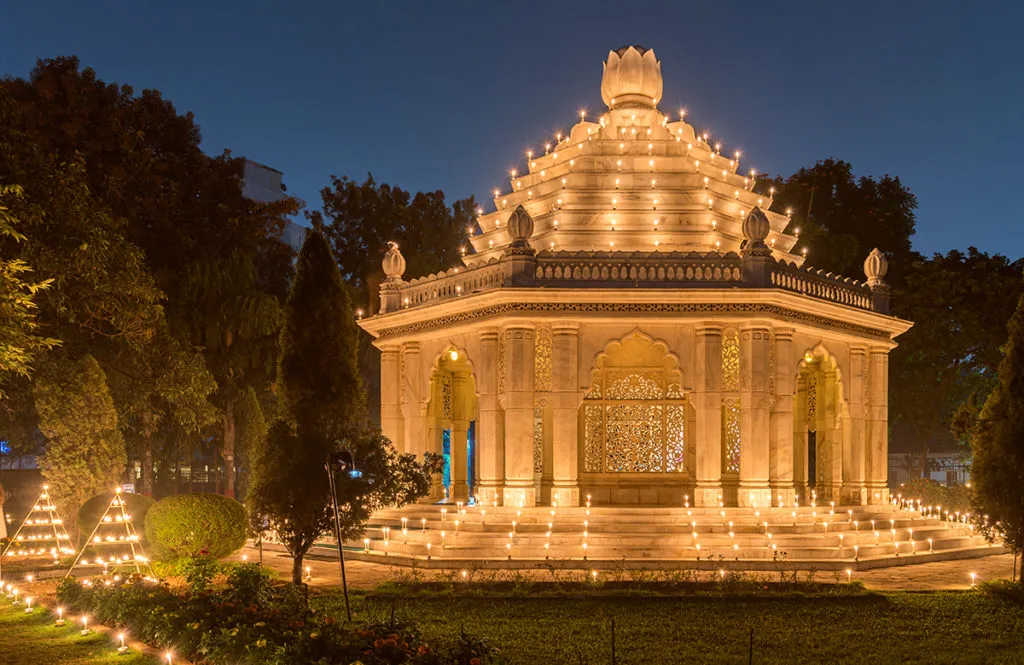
(253, 621)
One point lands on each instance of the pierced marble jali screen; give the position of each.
(634, 422)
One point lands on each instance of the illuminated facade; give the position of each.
(636, 324)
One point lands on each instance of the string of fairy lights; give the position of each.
(113, 546)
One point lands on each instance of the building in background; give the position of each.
(948, 467)
(263, 183)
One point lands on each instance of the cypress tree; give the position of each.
(997, 444)
(322, 402)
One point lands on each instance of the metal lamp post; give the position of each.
(342, 461)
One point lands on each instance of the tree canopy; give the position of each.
(959, 301)
(85, 454)
(841, 218)
(960, 304)
(997, 444)
(20, 341)
(128, 216)
(322, 403)
(360, 219)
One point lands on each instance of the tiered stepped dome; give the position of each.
(633, 179)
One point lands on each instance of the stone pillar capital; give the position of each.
(518, 332)
(784, 334)
(709, 329)
(565, 328)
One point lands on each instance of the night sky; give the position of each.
(431, 95)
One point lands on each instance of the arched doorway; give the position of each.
(451, 417)
(818, 424)
(633, 424)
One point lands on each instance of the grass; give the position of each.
(32, 638)
(936, 627)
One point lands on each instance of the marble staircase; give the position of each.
(839, 538)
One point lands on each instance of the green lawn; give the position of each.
(33, 639)
(940, 627)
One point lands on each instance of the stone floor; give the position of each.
(942, 575)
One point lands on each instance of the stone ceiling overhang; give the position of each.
(612, 305)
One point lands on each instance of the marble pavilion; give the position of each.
(635, 324)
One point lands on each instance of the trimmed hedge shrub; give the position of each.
(92, 510)
(191, 525)
(933, 493)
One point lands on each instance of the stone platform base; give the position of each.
(854, 537)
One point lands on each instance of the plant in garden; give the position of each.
(199, 571)
(85, 455)
(189, 525)
(323, 402)
(251, 621)
(92, 510)
(324, 409)
(956, 498)
(997, 445)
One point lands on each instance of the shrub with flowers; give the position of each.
(253, 621)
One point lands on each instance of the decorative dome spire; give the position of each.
(632, 78)
(393, 263)
(875, 267)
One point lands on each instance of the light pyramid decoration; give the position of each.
(42, 533)
(114, 544)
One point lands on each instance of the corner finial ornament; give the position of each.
(875, 267)
(756, 228)
(520, 227)
(393, 263)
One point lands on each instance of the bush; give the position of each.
(932, 493)
(191, 525)
(275, 626)
(92, 510)
(199, 572)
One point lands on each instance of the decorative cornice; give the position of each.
(756, 309)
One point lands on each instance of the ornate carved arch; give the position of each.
(634, 411)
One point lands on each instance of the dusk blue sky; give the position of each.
(431, 95)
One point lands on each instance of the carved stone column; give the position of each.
(435, 424)
(708, 406)
(519, 399)
(780, 457)
(490, 426)
(566, 396)
(414, 397)
(460, 437)
(854, 442)
(391, 396)
(877, 421)
(755, 354)
(829, 437)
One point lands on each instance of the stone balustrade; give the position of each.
(820, 284)
(451, 284)
(608, 268)
(633, 269)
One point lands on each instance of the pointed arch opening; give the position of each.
(451, 418)
(818, 426)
